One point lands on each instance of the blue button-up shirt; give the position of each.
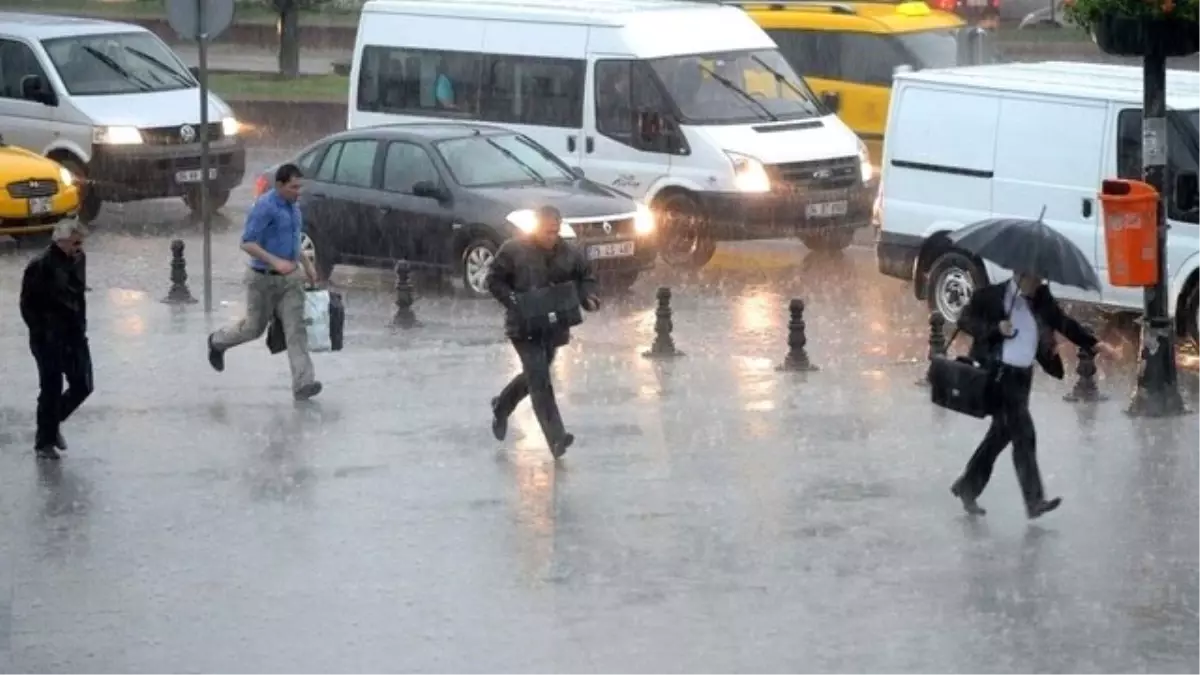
(274, 224)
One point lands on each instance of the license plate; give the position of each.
(39, 206)
(826, 209)
(619, 249)
(193, 175)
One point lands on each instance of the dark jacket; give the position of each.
(522, 266)
(52, 296)
(987, 308)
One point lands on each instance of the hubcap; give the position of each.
(308, 249)
(682, 234)
(478, 263)
(954, 290)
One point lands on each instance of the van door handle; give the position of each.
(1086, 207)
(570, 144)
(590, 144)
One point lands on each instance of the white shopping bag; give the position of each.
(316, 320)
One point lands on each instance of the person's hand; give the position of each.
(1006, 329)
(284, 267)
(1108, 350)
(591, 303)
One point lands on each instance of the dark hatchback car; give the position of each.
(444, 196)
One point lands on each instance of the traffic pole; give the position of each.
(205, 217)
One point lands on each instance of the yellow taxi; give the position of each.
(849, 51)
(35, 192)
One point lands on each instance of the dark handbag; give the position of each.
(277, 341)
(961, 385)
(550, 307)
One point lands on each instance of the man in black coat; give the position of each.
(523, 264)
(1013, 324)
(55, 310)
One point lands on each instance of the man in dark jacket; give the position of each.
(1013, 324)
(54, 309)
(521, 265)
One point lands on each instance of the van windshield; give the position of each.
(500, 159)
(735, 87)
(116, 63)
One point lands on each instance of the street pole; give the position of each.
(206, 221)
(1157, 392)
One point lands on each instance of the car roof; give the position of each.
(47, 26)
(430, 132)
(857, 16)
(578, 12)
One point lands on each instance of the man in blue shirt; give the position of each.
(274, 282)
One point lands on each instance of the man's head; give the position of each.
(287, 181)
(1028, 283)
(548, 224)
(68, 235)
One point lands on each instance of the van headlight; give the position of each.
(864, 162)
(116, 136)
(525, 220)
(65, 177)
(643, 220)
(230, 126)
(749, 174)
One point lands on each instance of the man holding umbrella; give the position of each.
(1013, 325)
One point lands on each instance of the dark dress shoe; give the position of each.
(499, 424)
(1043, 507)
(216, 357)
(559, 447)
(47, 452)
(968, 500)
(308, 391)
(60, 442)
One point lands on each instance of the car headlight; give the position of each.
(749, 174)
(116, 136)
(230, 126)
(864, 162)
(525, 220)
(643, 220)
(65, 177)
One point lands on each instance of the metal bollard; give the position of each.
(664, 345)
(938, 346)
(404, 317)
(1085, 390)
(179, 293)
(797, 356)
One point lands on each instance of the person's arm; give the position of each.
(1054, 317)
(585, 279)
(256, 225)
(33, 298)
(500, 277)
(974, 322)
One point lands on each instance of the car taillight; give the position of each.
(260, 186)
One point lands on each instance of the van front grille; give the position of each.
(184, 134)
(821, 174)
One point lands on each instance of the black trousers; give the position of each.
(1011, 423)
(57, 359)
(534, 381)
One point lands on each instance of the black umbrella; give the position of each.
(1029, 247)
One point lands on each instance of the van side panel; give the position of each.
(1050, 158)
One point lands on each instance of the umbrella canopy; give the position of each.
(1029, 247)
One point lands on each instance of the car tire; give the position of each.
(686, 243)
(476, 261)
(952, 278)
(1191, 327)
(217, 199)
(828, 241)
(322, 253)
(89, 201)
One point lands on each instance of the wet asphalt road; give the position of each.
(714, 514)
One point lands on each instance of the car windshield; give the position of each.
(945, 48)
(118, 63)
(736, 87)
(500, 159)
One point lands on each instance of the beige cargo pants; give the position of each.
(266, 295)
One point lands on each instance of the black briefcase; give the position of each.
(551, 307)
(962, 385)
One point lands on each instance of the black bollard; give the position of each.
(1086, 390)
(797, 356)
(404, 317)
(938, 345)
(179, 293)
(664, 344)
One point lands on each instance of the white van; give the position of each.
(965, 144)
(114, 105)
(685, 106)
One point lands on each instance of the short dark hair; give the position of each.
(287, 172)
(549, 214)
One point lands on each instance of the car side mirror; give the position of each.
(34, 88)
(1186, 188)
(577, 172)
(832, 101)
(429, 190)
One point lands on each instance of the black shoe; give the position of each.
(308, 391)
(499, 424)
(968, 501)
(1043, 507)
(60, 442)
(216, 357)
(559, 447)
(47, 452)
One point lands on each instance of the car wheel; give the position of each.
(834, 239)
(89, 201)
(216, 200)
(952, 279)
(1192, 327)
(477, 258)
(322, 254)
(686, 243)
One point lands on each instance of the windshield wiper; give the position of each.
(116, 67)
(738, 90)
(161, 66)
(804, 96)
(537, 177)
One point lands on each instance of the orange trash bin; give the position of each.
(1130, 212)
